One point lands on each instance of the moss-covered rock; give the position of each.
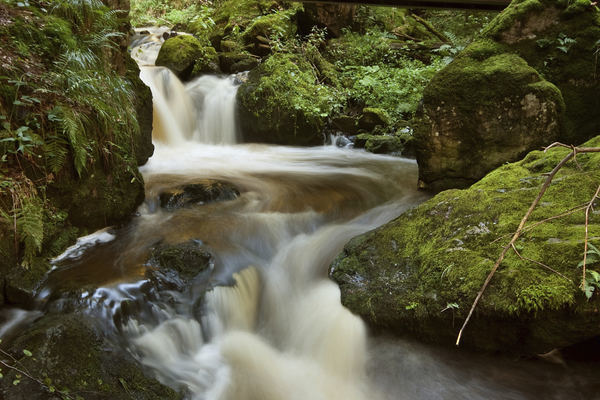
(283, 102)
(69, 354)
(379, 144)
(373, 117)
(478, 114)
(234, 62)
(420, 273)
(559, 40)
(186, 259)
(187, 57)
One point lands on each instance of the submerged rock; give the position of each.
(530, 79)
(197, 194)
(187, 259)
(420, 273)
(68, 353)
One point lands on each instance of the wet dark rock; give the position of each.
(71, 354)
(345, 123)
(198, 194)
(187, 259)
(233, 62)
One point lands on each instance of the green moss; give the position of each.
(69, 354)
(180, 53)
(572, 67)
(441, 252)
(278, 24)
(283, 102)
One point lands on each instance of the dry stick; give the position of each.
(563, 214)
(574, 151)
(25, 373)
(541, 264)
(585, 241)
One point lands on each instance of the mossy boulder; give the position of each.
(372, 117)
(419, 274)
(283, 102)
(257, 35)
(559, 40)
(379, 144)
(70, 354)
(234, 62)
(180, 263)
(478, 114)
(187, 57)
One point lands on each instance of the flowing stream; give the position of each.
(264, 322)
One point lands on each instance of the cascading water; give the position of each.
(263, 321)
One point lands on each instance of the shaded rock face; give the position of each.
(530, 79)
(560, 40)
(70, 354)
(334, 17)
(480, 114)
(420, 273)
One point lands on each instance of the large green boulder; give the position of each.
(420, 273)
(472, 112)
(478, 114)
(283, 102)
(187, 57)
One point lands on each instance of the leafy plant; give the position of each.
(592, 279)
(564, 43)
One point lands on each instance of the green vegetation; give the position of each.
(170, 13)
(66, 115)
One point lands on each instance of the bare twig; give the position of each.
(24, 372)
(530, 227)
(541, 264)
(573, 153)
(585, 241)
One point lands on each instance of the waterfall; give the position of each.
(202, 110)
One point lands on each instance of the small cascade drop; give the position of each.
(215, 101)
(174, 119)
(202, 111)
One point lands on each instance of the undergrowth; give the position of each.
(62, 107)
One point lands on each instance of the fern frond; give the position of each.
(56, 152)
(73, 127)
(30, 225)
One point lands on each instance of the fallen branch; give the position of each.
(431, 29)
(550, 176)
(24, 372)
(585, 240)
